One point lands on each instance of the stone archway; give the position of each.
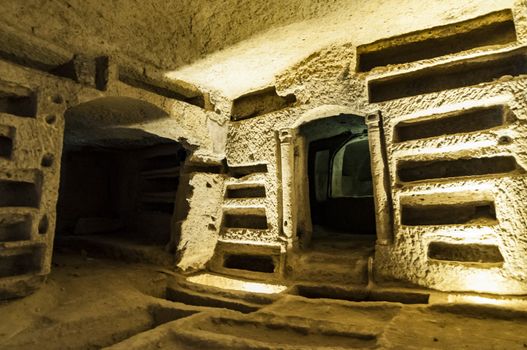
(296, 205)
(296, 219)
(120, 175)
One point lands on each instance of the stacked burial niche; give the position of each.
(118, 182)
(28, 183)
(456, 162)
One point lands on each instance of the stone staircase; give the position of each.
(330, 262)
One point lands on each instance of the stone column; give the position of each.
(287, 161)
(381, 179)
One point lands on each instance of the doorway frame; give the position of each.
(295, 214)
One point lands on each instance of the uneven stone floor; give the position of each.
(90, 303)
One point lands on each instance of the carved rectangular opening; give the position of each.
(248, 191)
(29, 51)
(7, 134)
(482, 213)
(411, 170)
(260, 102)
(254, 263)
(362, 294)
(496, 28)
(119, 191)
(448, 76)
(250, 220)
(6, 147)
(467, 253)
(19, 194)
(20, 261)
(160, 87)
(20, 103)
(239, 171)
(465, 121)
(15, 227)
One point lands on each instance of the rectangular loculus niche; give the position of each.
(20, 261)
(496, 28)
(452, 75)
(163, 87)
(260, 102)
(239, 171)
(464, 121)
(18, 101)
(249, 262)
(240, 191)
(419, 170)
(19, 194)
(7, 135)
(465, 253)
(15, 227)
(469, 213)
(255, 219)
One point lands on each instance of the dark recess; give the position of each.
(361, 294)
(469, 253)
(6, 147)
(246, 192)
(447, 76)
(453, 214)
(252, 221)
(255, 263)
(260, 102)
(20, 261)
(244, 170)
(454, 123)
(19, 194)
(446, 40)
(151, 86)
(15, 227)
(123, 193)
(408, 171)
(21, 106)
(167, 208)
(164, 161)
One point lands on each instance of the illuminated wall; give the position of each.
(445, 78)
(453, 106)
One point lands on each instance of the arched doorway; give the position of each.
(339, 177)
(339, 180)
(119, 178)
(329, 196)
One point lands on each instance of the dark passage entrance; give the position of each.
(118, 182)
(337, 230)
(127, 193)
(339, 174)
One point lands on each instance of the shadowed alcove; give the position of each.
(118, 178)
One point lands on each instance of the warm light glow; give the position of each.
(473, 235)
(472, 187)
(482, 281)
(476, 299)
(449, 108)
(236, 284)
(452, 148)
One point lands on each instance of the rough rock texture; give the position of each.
(200, 228)
(164, 33)
(35, 107)
(308, 56)
(96, 303)
(254, 63)
(327, 78)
